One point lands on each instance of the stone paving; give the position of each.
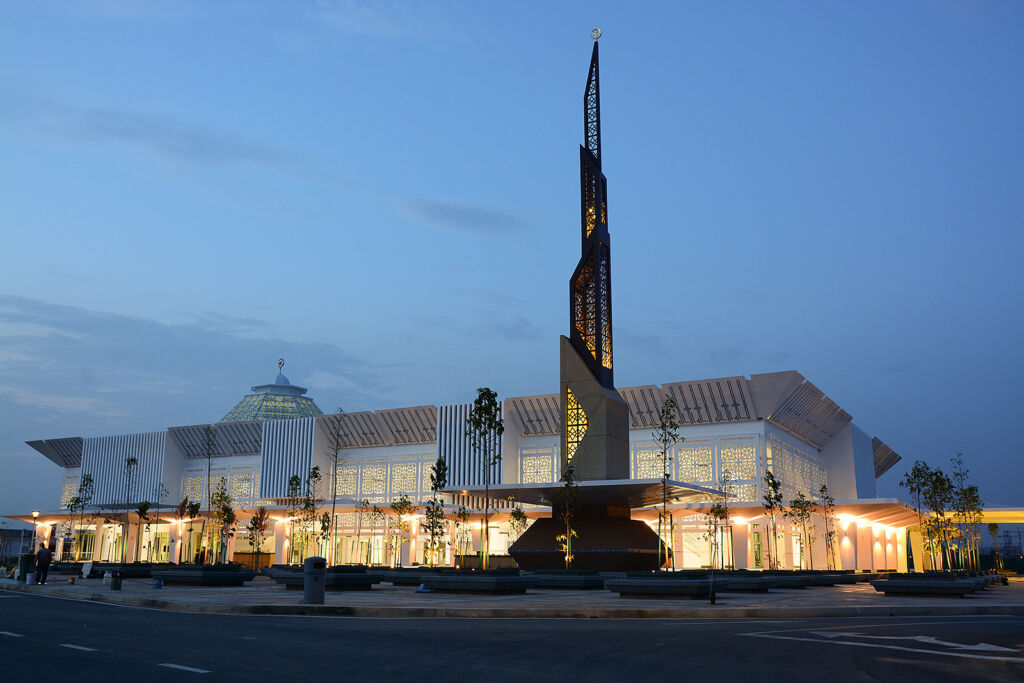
(264, 596)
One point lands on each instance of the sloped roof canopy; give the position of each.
(65, 452)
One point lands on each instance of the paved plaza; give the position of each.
(263, 596)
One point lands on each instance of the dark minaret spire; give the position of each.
(592, 109)
(595, 419)
(590, 289)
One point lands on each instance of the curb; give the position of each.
(534, 612)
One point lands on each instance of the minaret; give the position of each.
(595, 418)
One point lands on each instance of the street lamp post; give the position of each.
(35, 529)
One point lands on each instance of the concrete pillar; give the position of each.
(901, 550)
(741, 545)
(847, 540)
(130, 539)
(97, 546)
(173, 541)
(878, 549)
(865, 554)
(921, 559)
(280, 544)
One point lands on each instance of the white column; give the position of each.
(847, 540)
(280, 537)
(865, 547)
(741, 545)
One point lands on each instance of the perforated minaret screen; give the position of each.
(594, 416)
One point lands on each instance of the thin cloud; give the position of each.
(180, 140)
(464, 218)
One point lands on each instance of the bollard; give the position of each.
(314, 572)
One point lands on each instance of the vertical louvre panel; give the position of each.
(104, 459)
(287, 450)
(465, 468)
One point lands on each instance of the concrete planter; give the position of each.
(665, 588)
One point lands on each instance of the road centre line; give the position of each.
(184, 668)
(12, 635)
(78, 647)
(886, 647)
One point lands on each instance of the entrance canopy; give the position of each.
(636, 493)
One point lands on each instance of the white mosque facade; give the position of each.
(732, 427)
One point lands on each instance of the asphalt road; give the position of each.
(45, 639)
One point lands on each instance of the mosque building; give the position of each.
(733, 427)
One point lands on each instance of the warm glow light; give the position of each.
(846, 540)
(740, 520)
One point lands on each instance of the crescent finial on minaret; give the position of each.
(595, 34)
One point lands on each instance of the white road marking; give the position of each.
(887, 647)
(927, 640)
(184, 668)
(78, 647)
(12, 635)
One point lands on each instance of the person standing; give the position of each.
(43, 557)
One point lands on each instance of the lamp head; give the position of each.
(35, 514)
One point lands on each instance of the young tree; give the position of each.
(77, 507)
(967, 509)
(180, 513)
(725, 485)
(800, 512)
(518, 521)
(160, 494)
(828, 508)
(209, 445)
(714, 519)
(377, 519)
(131, 464)
(771, 501)
(434, 522)
(142, 512)
(916, 482)
(484, 427)
(938, 496)
(309, 513)
(401, 508)
(566, 512)
(462, 533)
(993, 531)
(293, 503)
(193, 512)
(361, 509)
(224, 516)
(255, 533)
(666, 436)
(337, 438)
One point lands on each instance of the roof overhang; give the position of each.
(635, 493)
(65, 452)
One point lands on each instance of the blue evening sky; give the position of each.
(386, 194)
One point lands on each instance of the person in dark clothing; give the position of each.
(42, 563)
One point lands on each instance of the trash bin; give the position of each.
(26, 564)
(314, 571)
(30, 578)
(115, 581)
(158, 582)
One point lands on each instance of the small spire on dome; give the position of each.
(280, 365)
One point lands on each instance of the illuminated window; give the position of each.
(606, 309)
(576, 423)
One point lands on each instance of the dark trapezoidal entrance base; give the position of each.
(604, 543)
